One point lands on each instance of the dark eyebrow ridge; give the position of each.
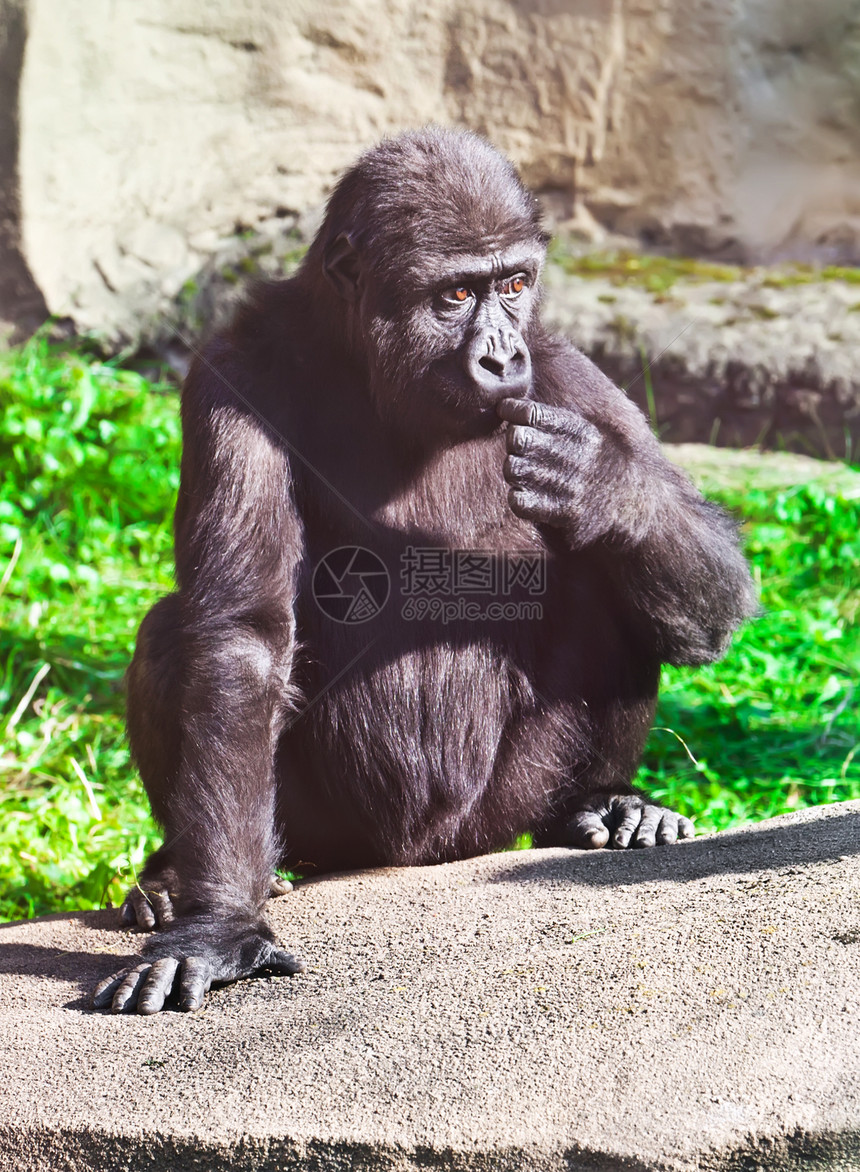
(473, 276)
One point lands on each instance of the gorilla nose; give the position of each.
(500, 366)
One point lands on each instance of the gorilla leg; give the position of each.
(154, 693)
(154, 683)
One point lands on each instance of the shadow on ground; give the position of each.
(731, 851)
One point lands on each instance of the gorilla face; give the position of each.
(444, 351)
(440, 270)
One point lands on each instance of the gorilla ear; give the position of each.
(342, 267)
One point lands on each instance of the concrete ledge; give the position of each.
(689, 1007)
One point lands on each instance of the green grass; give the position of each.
(88, 477)
(652, 272)
(774, 726)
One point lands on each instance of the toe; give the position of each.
(105, 989)
(284, 963)
(626, 828)
(668, 829)
(194, 982)
(588, 831)
(646, 832)
(158, 985)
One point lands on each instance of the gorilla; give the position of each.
(429, 561)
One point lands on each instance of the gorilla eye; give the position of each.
(459, 294)
(514, 286)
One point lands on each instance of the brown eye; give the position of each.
(458, 294)
(514, 286)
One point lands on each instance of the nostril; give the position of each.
(498, 363)
(493, 364)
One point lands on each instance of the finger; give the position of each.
(627, 826)
(126, 995)
(514, 469)
(588, 831)
(532, 506)
(279, 886)
(646, 832)
(105, 989)
(541, 466)
(284, 963)
(162, 905)
(542, 417)
(519, 440)
(539, 473)
(194, 982)
(531, 442)
(520, 411)
(143, 913)
(158, 985)
(127, 914)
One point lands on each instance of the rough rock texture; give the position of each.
(689, 1007)
(134, 135)
(737, 363)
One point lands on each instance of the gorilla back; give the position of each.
(429, 562)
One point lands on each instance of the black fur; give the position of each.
(362, 403)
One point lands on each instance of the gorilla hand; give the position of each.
(560, 468)
(189, 957)
(623, 820)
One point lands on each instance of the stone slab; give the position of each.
(686, 1007)
(739, 363)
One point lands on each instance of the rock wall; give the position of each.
(136, 134)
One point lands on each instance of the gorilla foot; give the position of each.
(624, 820)
(188, 959)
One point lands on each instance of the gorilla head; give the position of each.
(434, 248)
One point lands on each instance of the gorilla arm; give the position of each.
(588, 465)
(238, 541)
(591, 467)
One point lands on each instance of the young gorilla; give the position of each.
(400, 395)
